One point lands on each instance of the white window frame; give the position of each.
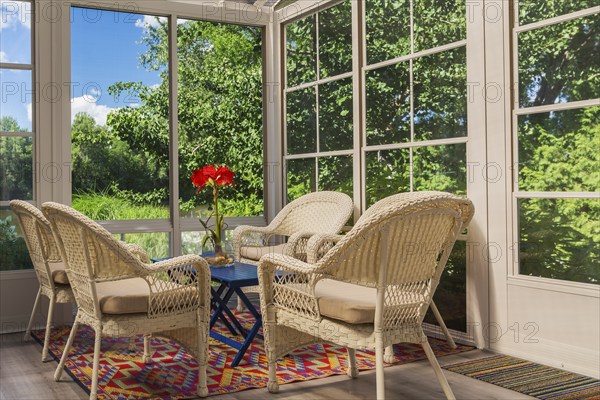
(478, 263)
(213, 11)
(514, 195)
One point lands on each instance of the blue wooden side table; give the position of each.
(231, 280)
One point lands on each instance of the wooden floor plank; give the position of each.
(24, 376)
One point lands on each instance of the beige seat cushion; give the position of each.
(132, 296)
(346, 302)
(59, 275)
(255, 253)
(127, 296)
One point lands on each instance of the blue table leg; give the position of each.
(252, 333)
(218, 310)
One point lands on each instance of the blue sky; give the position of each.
(105, 48)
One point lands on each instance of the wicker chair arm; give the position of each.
(176, 285)
(138, 251)
(176, 263)
(246, 235)
(288, 283)
(297, 245)
(319, 245)
(287, 263)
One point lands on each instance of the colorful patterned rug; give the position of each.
(530, 378)
(172, 374)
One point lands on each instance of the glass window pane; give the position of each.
(16, 91)
(335, 115)
(16, 168)
(560, 239)
(301, 42)
(440, 95)
(335, 40)
(335, 174)
(301, 178)
(451, 294)
(15, 31)
(156, 244)
(560, 63)
(13, 249)
(388, 173)
(439, 22)
(220, 113)
(388, 104)
(532, 11)
(301, 120)
(558, 151)
(191, 243)
(388, 29)
(440, 168)
(120, 114)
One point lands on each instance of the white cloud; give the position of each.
(88, 104)
(148, 21)
(3, 57)
(13, 13)
(29, 112)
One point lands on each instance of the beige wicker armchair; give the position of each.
(119, 295)
(371, 289)
(318, 212)
(47, 263)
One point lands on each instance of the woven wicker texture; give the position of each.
(43, 251)
(399, 246)
(179, 300)
(319, 212)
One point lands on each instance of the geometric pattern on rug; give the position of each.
(529, 378)
(172, 373)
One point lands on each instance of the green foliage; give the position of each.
(13, 249)
(99, 206)
(220, 107)
(16, 163)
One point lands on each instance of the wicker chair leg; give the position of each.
(48, 327)
(202, 389)
(147, 355)
(35, 307)
(272, 384)
(240, 305)
(438, 371)
(96, 365)
(442, 324)
(389, 357)
(379, 373)
(352, 371)
(63, 359)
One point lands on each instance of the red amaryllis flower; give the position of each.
(211, 175)
(224, 176)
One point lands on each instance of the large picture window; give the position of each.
(17, 127)
(413, 95)
(556, 124)
(135, 143)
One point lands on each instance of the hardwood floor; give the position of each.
(24, 376)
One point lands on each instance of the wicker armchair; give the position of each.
(48, 265)
(370, 289)
(318, 212)
(119, 295)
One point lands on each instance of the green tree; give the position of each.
(16, 163)
(219, 103)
